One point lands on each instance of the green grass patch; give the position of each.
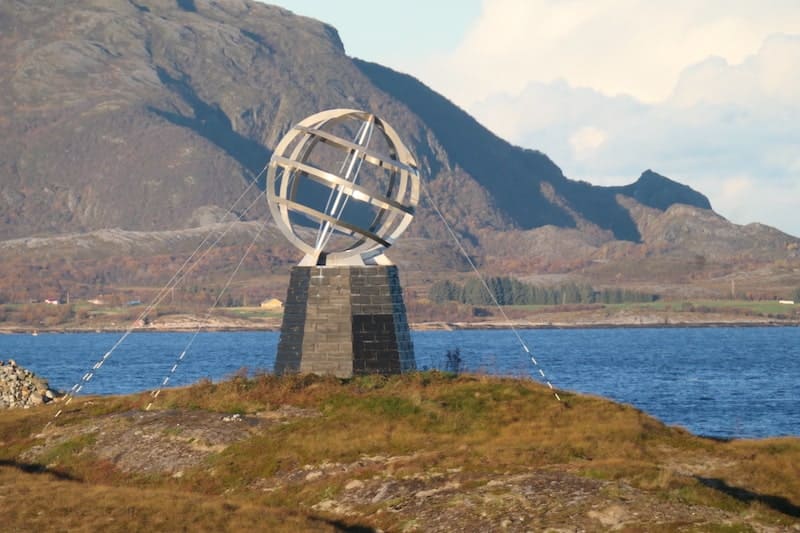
(64, 452)
(756, 307)
(251, 312)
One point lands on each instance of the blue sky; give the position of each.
(707, 93)
(394, 32)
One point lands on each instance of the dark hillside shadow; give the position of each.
(654, 190)
(34, 468)
(512, 175)
(777, 503)
(599, 205)
(187, 5)
(214, 125)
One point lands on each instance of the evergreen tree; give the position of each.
(496, 286)
(520, 293)
(506, 287)
(511, 291)
(533, 295)
(570, 294)
(475, 293)
(445, 291)
(586, 294)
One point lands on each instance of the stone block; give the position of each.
(345, 321)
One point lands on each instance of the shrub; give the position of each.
(453, 362)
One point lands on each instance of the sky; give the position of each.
(706, 93)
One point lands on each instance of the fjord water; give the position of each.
(722, 382)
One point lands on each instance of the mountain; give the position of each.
(154, 115)
(529, 188)
(129, 127)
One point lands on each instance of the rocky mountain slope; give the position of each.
(151, 115)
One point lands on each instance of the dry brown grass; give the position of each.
(52, 502)
(479, 425)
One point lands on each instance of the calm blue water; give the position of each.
(725, 382)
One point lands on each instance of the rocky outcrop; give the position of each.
(20, 387)
(192, 102)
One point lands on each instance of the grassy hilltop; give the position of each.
(423, 451)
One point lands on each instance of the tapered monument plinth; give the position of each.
(344, 321)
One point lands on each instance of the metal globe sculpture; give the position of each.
(342, 187)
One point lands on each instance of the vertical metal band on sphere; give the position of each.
(391, 201)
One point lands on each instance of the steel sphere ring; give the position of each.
(389, 201)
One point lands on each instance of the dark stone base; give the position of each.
(345, 320)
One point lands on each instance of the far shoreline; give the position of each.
(415, 327)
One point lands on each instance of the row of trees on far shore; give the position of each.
(511, 291)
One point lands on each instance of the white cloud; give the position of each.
(768, 78)
(704, 92)
(730, 130)
(635, 47)
(745, 199)
(736, 189)
(586, 141)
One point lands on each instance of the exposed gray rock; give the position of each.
(20, 387)
(203, 94)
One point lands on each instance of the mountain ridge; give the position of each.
(152, 102)
(154, 117)
(525, 202)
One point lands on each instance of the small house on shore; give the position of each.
(272, 304)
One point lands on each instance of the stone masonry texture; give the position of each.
(345, 321)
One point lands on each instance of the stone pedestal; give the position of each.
(344, 320)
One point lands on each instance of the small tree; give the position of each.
(797, 295)
(444, 291)
(476, 294)
(453, 362)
